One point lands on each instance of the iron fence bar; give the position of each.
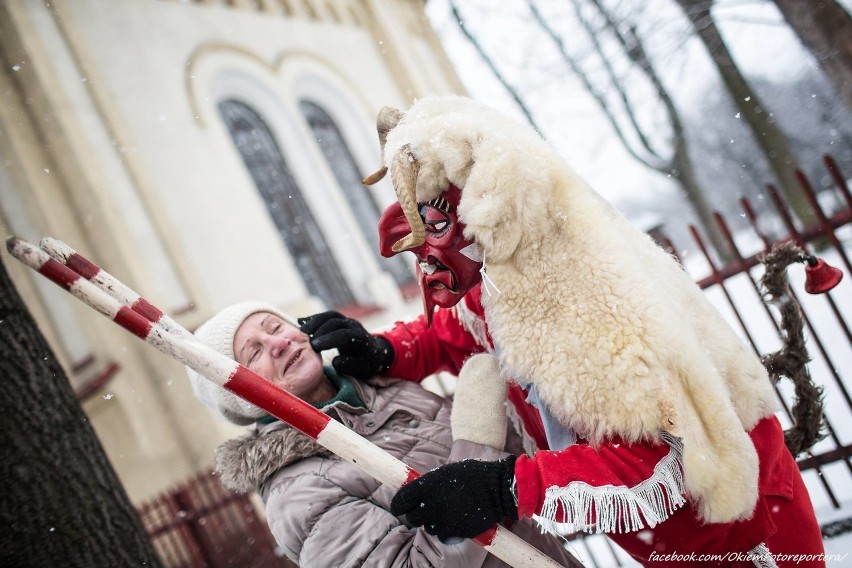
(720, 282)
(829, 234)
(223, 516)
(767, 247)
(185, 502)
(831, 456)
(175, 549)
(839, 180)
(590, 554)
(801, 237)
(807, 234)
(212, 520)
(168, 546)
(822, 220)
(738, 261)
(788, 221)
(174, 508)
(726, 233)
(811, 328)
(192, 516)
(178, 541)
(582, 539)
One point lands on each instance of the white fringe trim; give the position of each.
(473, 324)
(761, 557)
(616, 509)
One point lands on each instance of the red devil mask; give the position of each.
(447, 263)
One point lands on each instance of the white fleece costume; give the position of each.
(615, 336)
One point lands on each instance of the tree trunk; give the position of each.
(769, 137)
(62, 503)
(825, 28)
(684, 173)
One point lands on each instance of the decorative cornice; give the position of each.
(333, 11)
(273, 67)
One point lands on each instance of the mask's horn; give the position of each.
(404, 171)
(387, 119)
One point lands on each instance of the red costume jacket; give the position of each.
(631, 492)
(420, 351)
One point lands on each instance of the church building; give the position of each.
(204, 152)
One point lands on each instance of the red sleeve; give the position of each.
(421, 350)
(620, 480)
(530, 418)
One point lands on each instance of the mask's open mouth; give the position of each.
(437, 276)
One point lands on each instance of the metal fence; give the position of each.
(202, 524)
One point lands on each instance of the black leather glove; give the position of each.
(362, 355)
(459, 499)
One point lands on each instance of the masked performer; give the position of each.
(659, 422)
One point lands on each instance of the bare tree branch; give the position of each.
(618, 84)
(598, 96)
(488, 61)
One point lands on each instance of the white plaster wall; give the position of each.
(164, 64)
(99, 153)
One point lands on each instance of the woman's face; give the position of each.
(280, 353)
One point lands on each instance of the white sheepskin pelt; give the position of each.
(616, 336)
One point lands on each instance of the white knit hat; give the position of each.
(218, 332)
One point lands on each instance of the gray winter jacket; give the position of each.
(326, 512)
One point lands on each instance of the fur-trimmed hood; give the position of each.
(245, 463)
(616, 337)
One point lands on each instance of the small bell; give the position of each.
(820, 277)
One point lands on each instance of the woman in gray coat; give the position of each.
(324, 511)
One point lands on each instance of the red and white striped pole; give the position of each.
(255, 389)
(66, 255)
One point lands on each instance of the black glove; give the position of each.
(362, 355)
(459, 499)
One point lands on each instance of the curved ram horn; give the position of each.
(387, 119)
(375, 177)
(404, 171)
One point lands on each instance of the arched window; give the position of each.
(287, 206)
(358, 196)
